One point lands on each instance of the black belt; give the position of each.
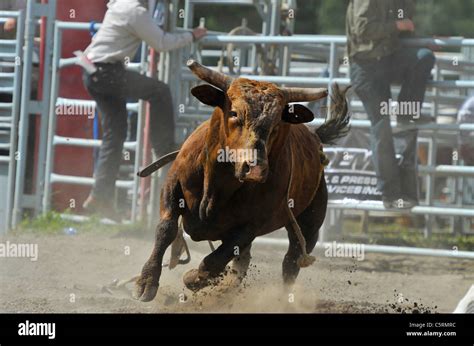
(117, 63)
(109, 65)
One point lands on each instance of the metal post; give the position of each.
(48, 37)
(432, 153)
(275, 17)
(275, 20)
(435, 108)
(188, 14)
(265, 19)
(21, 201)
(30, 28)
(139, 147)
(169, 73)
(457, 198)
(333, 68)
(146, 148)
(14, 122)
(430, 185)
(53, 119)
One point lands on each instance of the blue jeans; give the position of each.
(371, 79)
(110, 87)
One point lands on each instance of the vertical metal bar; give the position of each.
(333, 65)
(46, 87)
(457, 197)
(50, 150)
(290, 21)
(286, 61)
(253, 59)
(173, 14)
(265, 23)
(23, 125)
(365, 222)
(435, 105)
(188, 14)
(170, 73)
(430, 184)
(275, 20)
(433, 148)
(241, 60)
(15, 118)
(333, 68)
(139, 141)
(292, 5)
(152, 201)
(146, 150)
(275, 17)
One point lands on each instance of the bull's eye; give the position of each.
(233, 114)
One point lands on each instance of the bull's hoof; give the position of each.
(305, 261)
(145, 289)
(196, 280)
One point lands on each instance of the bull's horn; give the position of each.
(215, 78)
(304, 94)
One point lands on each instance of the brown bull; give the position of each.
(236, 198)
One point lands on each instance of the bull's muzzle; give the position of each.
(250, 172)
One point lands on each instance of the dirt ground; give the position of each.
(71, 271)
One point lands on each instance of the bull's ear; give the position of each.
(209, 95)
(297, 114)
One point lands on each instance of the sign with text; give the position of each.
(350, 175)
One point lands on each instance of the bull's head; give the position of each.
(252, 114)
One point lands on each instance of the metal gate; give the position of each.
(42, 15)
(10, 88)
(54, 140)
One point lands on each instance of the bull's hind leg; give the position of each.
(213, 265)
(310, 220)
(240, 264)
(166, 232)
(239, 268)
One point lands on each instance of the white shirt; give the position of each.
(126, 24)
(466, 116)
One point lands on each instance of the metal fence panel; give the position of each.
(10, 83)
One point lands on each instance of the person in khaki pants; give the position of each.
(126, 24)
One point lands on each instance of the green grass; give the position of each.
(49, 223)
(53, 223)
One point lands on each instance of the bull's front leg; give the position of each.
(148, 282)
(213, 265)
(166, 232)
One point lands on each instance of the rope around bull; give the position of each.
(305, 260)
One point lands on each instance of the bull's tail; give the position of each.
(161, 162)
(337, 125)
